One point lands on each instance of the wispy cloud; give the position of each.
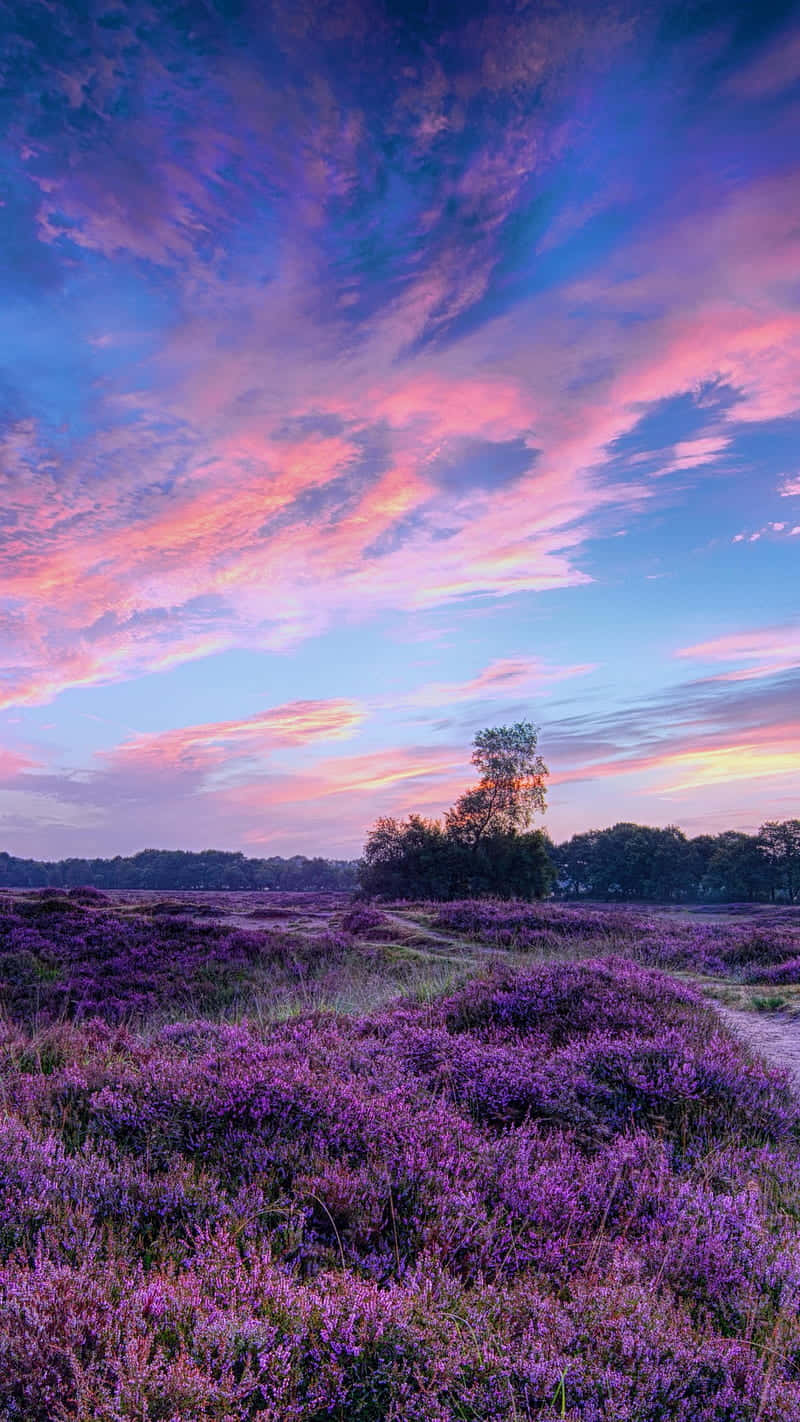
(774, 69)
(764, 651)
(503, 678)
(13, 763)
(299, 723)
(203, 494)
(725, 765)
(777, 528)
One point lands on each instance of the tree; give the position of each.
(510, 789)
(509, 865)
(407, 859)
(779, 843)
(630, 861)
(736, 870)
(700, 852)
(480, 849)
(180, 869)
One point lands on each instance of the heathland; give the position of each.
(271, 1156)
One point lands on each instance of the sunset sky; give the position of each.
(376, 372)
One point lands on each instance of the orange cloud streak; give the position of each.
(298, 723)
(723, 755)
(724, 765)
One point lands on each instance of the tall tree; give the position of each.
(480, 849)
(510, 789)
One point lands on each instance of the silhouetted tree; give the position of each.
(481, 849)
(510, 788)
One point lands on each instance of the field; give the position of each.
(279, 1157)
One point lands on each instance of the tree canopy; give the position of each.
(629, 861)
(510, 789)
(483, 846)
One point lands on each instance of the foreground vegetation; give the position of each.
(535, 1179)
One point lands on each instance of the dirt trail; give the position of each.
(431, 933)
(776, 1038)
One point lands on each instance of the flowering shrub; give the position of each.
(785, 972)
(79, 956)
(363, 920)
(742, 951)
(557, 1193)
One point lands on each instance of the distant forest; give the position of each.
(625, 862)
(179, 869)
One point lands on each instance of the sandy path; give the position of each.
(777, 1038)
(431, 933)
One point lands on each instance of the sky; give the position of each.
(372, 373)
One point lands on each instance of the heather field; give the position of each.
(278, 1156)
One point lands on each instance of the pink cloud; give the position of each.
(507, 676)
(771, 71)
(348, 794)
(690, 453)
(251, 521)
(772, 649)
(206, 747)
(13, 763)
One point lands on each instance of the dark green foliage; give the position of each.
(417, 859)
(631, 861)
(779, 842)
(626, 862)
(736, 869)
(211, 869)
(480, 849)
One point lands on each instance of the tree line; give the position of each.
(632, 861)
(484, 846)
(210, 869)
